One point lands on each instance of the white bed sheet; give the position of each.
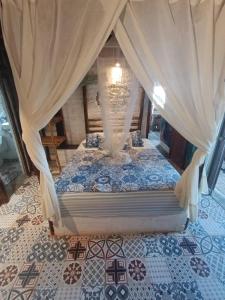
(151, 211)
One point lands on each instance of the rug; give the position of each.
(186, 265)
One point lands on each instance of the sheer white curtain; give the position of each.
(51, 46)
(177, 51)
(118, 94)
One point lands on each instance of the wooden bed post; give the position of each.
(50, 223)
(186, 224)
(149, 116)
(141, 109)
(85, 108)
(51, 228)
(199, 182)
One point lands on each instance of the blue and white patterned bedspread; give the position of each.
(93, 171)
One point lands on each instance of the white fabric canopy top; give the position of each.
(175, 48)
(51, 46)
(177, 51)
(118, 91)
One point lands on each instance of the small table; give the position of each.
(54, 142)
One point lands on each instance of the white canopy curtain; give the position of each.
(51, 46)
(118, 95)
(175, 48)
(177, 51)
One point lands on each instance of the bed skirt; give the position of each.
(107, 213)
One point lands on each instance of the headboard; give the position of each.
(96, 124)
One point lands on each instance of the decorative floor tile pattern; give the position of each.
(28, 276)
(137, 270)
(50, 276)
(134, 247)
(27, 240)
(189, 245)
(179, 268)
(114, 248)
(76, 250)
(158, 270)
(24, 294)
(7, 275)
(92, 293)
(49, 294)
(181, 290)
(211, 289)
(153, 248)
(72, 273)
(188, 265)
(117, 292)
(141, 291)
(116, 271)
(72, 292)
(96, 249)
(93, 274)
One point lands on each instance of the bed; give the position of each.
(101, 195)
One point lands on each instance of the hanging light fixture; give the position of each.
(159, 95)
(116, 73)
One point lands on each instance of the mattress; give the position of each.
(100, 195)
(129, 204)
(92, 171)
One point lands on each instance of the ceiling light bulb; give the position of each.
(116, 73)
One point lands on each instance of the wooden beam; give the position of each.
(141, 108)
(149, 117)
(51, 228)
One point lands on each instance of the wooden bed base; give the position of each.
(51, 228)
(182, 226)
(86, 226)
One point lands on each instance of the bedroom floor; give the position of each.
(188, 265)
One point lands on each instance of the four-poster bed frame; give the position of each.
(161, 207)
(93, 125)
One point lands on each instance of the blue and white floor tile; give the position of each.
(179, 266)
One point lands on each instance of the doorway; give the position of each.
(216, 176)
(11, 167)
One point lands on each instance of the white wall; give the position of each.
(94, 110)
(73, 113)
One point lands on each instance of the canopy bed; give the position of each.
(164, 44)
(97, 193)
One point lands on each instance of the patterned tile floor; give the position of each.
(188, 265)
